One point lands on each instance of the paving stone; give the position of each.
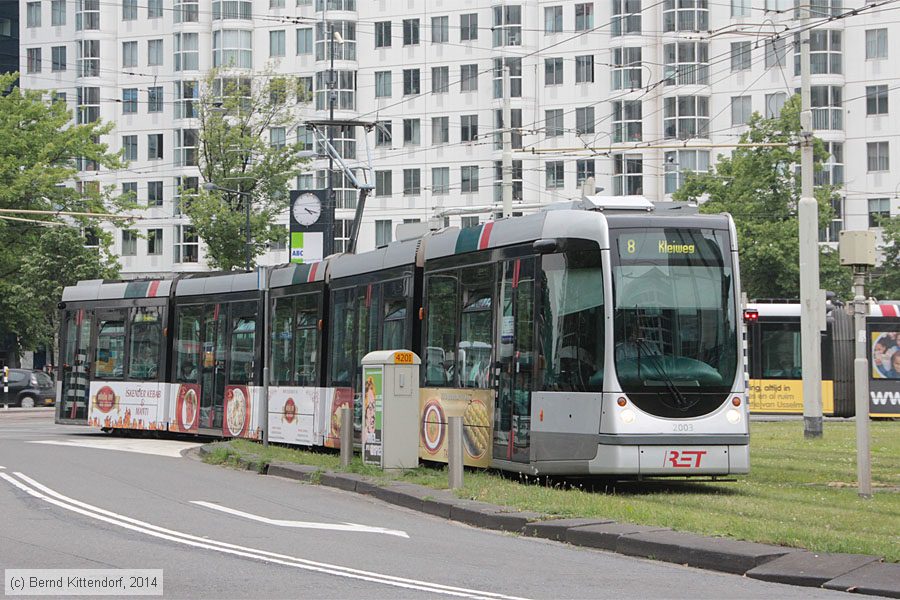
(876, 579)
(605, 536)
(808, 568)
(718, 554)
(292, 471)
(555, 529)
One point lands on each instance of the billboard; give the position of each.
(475, 406)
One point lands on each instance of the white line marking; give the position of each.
(301, 524)
(168, 448)
(88, 510)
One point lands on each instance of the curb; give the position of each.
(856, 573)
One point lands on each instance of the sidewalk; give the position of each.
(844, 572)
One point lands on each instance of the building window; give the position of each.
(690, 15)
(187, 244)
(129, 54)
(411, 82)
(304, 89)
(88, 104)
(878, 156)
(740, 56)
(304, 41)
(553, 19)
(827, 106)
(626, 68)
(187, 52)
(305, 139)
(776, 53)
(382, 34)
(879, 211)
(346, 90)
(627, 121)
(740, 110)
(382, 84)
(468, 222)
(154, 193)
(342, 229)
(411, 132)
(129, 101)
(517, 181)
(553, 122)
(232, 9)
(584, 169)
(628, 175)
(440, 30)
(58, 57)
(87, 14)
(832, 172)
(553, 71)
(822, 8)
(507, 29)
(410, 32)
(382, 232)
(88, 58)
(584, 16)
(383, 133)
(154, 53)
(686, 117)
(440, 181)
(824, 52)
(384, 183)
(129, 10)
(468, 78)
(33, 14)
(876, 100)
(129, 147)
(412, 182)
(468, 128)
(515, 77)
(277, 137)
(154, 9)
(686, 63)
(516, 127)
(186, 97)
(129, 242)
(58, 97)
(57, 13)
(584, 120)
(186, 11)
(740, 8)
(626, 18)
(440, 80)
(555, 174)
(233, 48)
(468, 27)
(440, 130)
(33, 57)
(155, 146)
(876, 44)
(276, 44)
(129, 191)
(774, 104)
(468, 179)
(325, 42)
(584, 69)
(681, 162)
(185, 189)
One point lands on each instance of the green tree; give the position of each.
(41, 152)
(236, 151)
(760, 188)
(884, 282)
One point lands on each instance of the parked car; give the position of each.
(28, 389)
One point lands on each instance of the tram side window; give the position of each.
(440, 324)
(393, 335)
(110, 359)
(282, 341)
(342, 341)
(475, 353)
(306, 350)
(243, 343)
(146, 339)
(187, 343)
(780, 343)
(571, 323)
(368, 302)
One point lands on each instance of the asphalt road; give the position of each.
(86, 500)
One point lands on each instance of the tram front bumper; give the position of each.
(671, 459)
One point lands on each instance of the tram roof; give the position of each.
(221, 283)
(397, 254)
(98, 289)
(294, 274)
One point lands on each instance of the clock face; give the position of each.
(307, 209)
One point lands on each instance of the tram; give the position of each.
(601, 336)
(774, 359)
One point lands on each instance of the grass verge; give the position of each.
(799, 493)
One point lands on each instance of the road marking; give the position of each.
(42, 492)
(301, 524)
(170, 448)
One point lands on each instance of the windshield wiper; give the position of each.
(681, 401)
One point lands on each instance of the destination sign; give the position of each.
(691, 245)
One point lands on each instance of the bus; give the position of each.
(774, 359)
(596, 337)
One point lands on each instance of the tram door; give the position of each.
(512, 414)
(212, 367)
(75, 366)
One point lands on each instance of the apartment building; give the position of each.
(631, 92)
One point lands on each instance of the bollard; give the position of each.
(265, 406)
(455, 452)
(346, 437)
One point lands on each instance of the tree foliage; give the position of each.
(235, 151)
(760, 188)
(40, 150)
(884, 283)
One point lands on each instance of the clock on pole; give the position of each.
(312, 226)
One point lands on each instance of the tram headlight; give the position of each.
(627, 416)
(733, 416)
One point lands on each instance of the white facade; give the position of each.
(604, 68)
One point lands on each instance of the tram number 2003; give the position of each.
(683, 427)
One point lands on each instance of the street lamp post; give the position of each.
(212, 187)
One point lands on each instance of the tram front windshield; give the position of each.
(675, 319)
